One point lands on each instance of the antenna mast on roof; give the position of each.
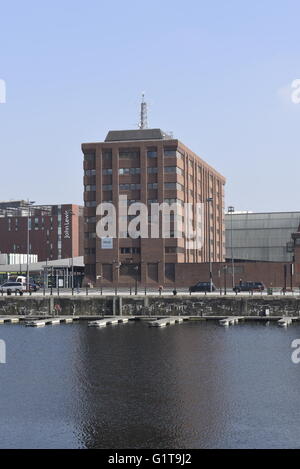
(144, 120)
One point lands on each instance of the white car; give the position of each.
(12, 287)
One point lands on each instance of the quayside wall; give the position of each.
(156, 306)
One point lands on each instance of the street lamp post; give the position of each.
(99, 277)
(72, 255)
(29, 203)
(225, 272)
(117, 268)
(231, 211)
(136, 268)
(209, 201)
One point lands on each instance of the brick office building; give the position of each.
(151, 167)
(55, 231)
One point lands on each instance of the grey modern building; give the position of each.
(261, 236)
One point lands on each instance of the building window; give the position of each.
(174, 185)
(153, 170)
(170, 185)
(133, 201)
(173, 169)
(126, 171)
(89, 188)
(179, 155)
(89, 251)
(89, 235)
(152, 185)
(170, 272)
(107, 155)
(107, 172)
(174, 201)
(152, 154)
(107, 187)
(130, 250)
(90, 203)
(170, 152)
(129, 154)
(129, 187)
(90, 220)
(90, 172)
(89, 156)
(173, 250)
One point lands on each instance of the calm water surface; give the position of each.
(196, 385)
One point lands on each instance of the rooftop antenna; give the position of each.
(144, 121)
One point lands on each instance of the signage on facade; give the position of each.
(107, 243)
(67, 234)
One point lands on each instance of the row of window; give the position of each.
(126, 171)
(33, 224)
(89, 188)
(174, 250)
(128, 187)
(174, 185)
(89, 251)
(132, 153)
(133, 171)
(151, 153)
(92, 235)
(93, 203)
(125, 234)
(130, 250)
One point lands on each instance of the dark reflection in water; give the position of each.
(196, 385)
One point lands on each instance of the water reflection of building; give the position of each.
(141, 387)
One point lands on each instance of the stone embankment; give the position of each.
(151, 305)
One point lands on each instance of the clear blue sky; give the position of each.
(216, 73)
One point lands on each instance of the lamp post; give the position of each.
(99, 277)
(117, 269)
(29, 203)
(71, 213)
(209, 201)
(136, 268)
(231, 211)
(225, 272)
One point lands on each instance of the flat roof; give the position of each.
(137, 134)
(37, 266)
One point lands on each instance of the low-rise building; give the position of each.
(55, 231)
(263, 236)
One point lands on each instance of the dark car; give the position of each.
(202, 287)
(33, 287)
(249, 286)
